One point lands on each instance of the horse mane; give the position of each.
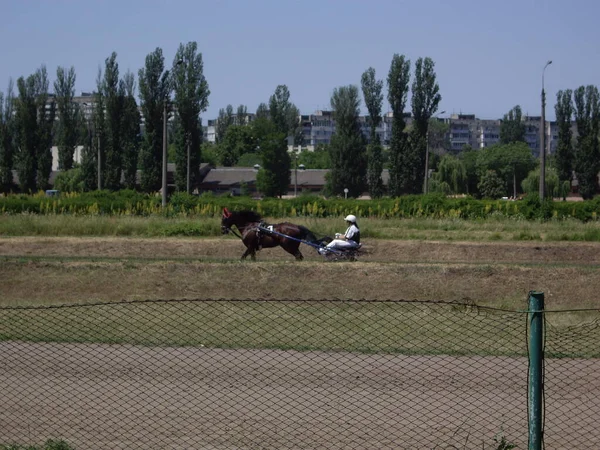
(247, 215)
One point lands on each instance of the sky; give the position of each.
(489, 55)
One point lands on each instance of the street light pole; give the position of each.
(543, 140)
(296, 170)
(164, 161)
(426, 179)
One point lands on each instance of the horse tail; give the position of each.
(307, 235)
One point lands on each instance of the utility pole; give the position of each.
(164, 162)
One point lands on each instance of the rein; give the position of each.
(235, 233)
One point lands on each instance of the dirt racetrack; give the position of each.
(377, 250)
(122, 397)
(125, 397)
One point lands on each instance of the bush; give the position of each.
(69, 181)
(434, 205)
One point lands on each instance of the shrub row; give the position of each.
(429, 206)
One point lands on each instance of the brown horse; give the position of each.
(248, 222)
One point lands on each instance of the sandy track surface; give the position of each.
(375, 250)
(103, 396)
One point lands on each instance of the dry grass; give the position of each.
(65, 270)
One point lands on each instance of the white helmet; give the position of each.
(350, 218)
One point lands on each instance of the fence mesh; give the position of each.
(286, 374)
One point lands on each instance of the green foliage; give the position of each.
(114, 96)
(50, 444)
(564, 149)
(7, 139)
(224, 121)
(512, 128)
(69, 180)
(249, 160)
(210, 153)
(33, 126)
(153, 90)
(347, 148)
(425, 101)
(68, 116)
(491, 185)
(587, 156)
(131, 133)
(283, 113)
(469, 161)
(511, 162)
(191, 97)
(372, 92)
(273, 179)
(398, 79)
(435, 206)
(554, 187)
(238, 140)
(317, 159)
(452, 172)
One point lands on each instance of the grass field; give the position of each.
(44, 271)
(492, 229)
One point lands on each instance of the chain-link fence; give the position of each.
(288, 374)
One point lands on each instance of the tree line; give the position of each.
(118, 154)
(32, 120)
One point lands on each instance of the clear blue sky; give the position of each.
(489, 55)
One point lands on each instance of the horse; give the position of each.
(248, 222)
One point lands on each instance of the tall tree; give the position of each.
(89, 165)
(6, 138)
(512, 128)
(191, 97)
(425, 100)
(237, 141)
(279, 105)
(153, 90)
(273, 178)
(262, 112)
(511, 162)
(284, 113)
(241, 115)
(68, 114)
(114, 95)
(398, 79)
(34, 119)
(373, 94)
(46, 116)
(587, 156)
(564, 149)
(130, 127)
(347, 148)
(224, 121)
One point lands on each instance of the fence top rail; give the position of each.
(290, 300)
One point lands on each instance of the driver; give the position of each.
(349, 240)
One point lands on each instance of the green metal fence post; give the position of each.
(536, 375)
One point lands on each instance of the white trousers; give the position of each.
(339, 243)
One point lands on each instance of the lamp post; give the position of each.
(426, 179)
(167, 81)
(543, 140)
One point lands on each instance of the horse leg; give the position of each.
(246, 253)
(294, 249)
